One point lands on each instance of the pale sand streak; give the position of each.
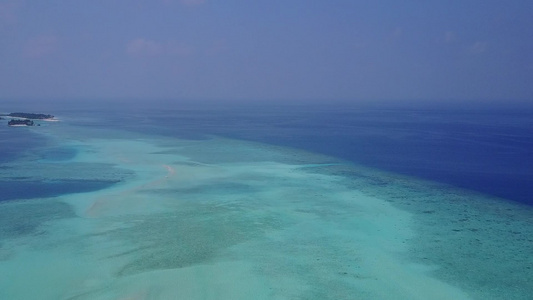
(99, 203)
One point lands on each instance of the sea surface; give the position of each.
(264, 201)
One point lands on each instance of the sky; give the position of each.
(273, 50)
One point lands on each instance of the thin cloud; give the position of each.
(217, 47)
(478, 47)
(192, 2)
(7, 13)
(40, 46)
(143, 47)
(449, 37)
(177, 48)
(185, 2)
(397, 33)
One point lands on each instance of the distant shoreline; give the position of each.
(20, 119)
(32, 116)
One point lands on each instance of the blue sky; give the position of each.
(267, 50)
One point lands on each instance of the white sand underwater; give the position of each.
(217, 219)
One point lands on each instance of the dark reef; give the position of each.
(24, 122)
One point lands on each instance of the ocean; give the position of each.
(267, 201)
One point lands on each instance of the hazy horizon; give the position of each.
(233, 52)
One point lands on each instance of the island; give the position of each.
(20, 122)
(26, 119)
(30, 116)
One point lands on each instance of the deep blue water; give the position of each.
(485, 150)
(15, 143)
(12, 140)
(489, 152)
(15, 190)
(57, 153)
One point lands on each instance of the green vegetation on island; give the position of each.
(25, 119)
(31, 116)
(20, 122)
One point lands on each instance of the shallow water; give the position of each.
(218, 218)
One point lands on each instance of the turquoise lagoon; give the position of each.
(123, 207)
